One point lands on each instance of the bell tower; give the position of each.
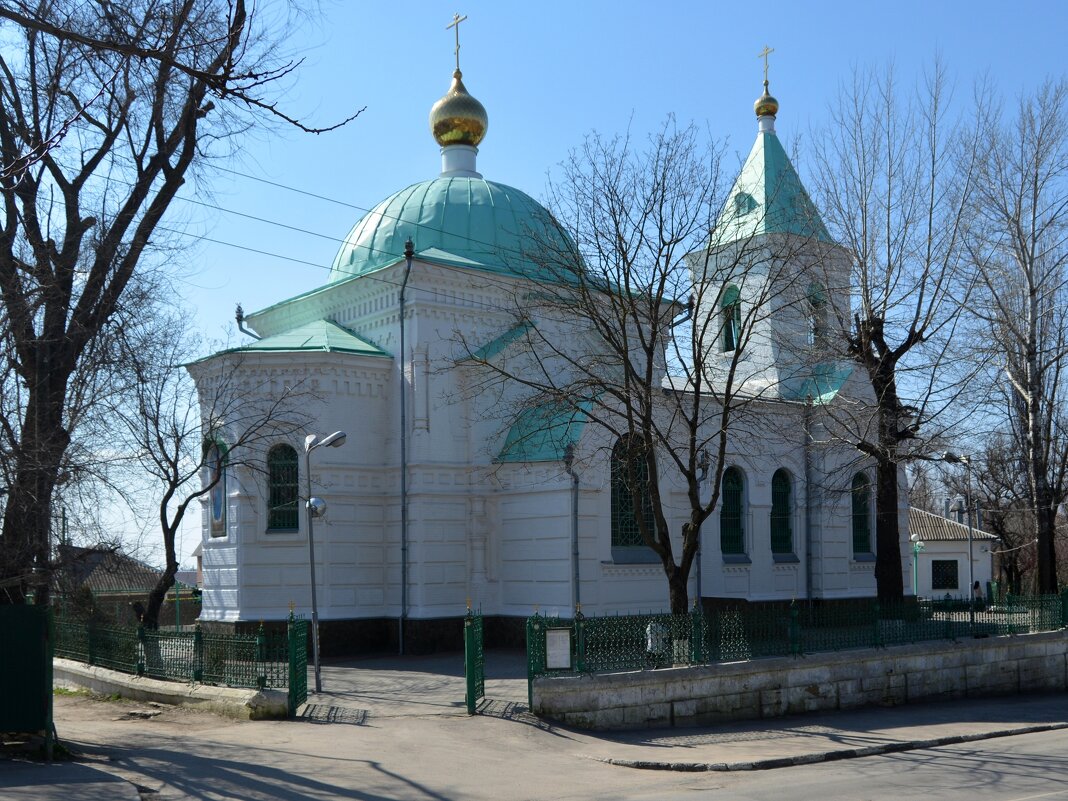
(771, 283)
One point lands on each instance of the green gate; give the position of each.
(298, 663)
(26, 670)
(474, 660)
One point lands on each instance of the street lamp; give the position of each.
(316, 508)
(966, 460)
(917, 546)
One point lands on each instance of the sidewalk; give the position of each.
(357, 690)
(376, 714)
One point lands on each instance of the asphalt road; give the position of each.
(1022, 768)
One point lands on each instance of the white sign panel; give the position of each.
(558, 649)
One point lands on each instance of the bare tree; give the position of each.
(166, 430)
(1020, 251)
(894, 180)
(633, 328)
(105, 111)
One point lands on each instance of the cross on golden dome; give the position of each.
(767, 51)
(456, 20)
(766, 105)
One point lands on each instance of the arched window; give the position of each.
(730, 308)
(731, 529)
(861, 514)
(282, 489)
(817, 314)
(782, 508)
(630, 481)
(215, 458)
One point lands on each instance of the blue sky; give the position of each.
(548, 73)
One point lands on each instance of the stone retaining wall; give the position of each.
(229, 701)
(768, 688)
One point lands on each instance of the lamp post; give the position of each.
(316, 508)
(966, 460)
(917, 546)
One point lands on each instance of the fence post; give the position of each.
(198, 654)
(534, 649)
(795, 629)
(261, 656)
(141, 648)
(90, 641)
(1064, 608)
(877, 639)
(697, 634)
(580, 640)
(469, 668)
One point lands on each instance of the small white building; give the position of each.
(940, 558)
(486, 514)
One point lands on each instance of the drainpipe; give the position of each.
(409, 251)
(239, 315)
(808, 497)
(569, 466)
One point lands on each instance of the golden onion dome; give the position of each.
(458, 119)
(766, 105)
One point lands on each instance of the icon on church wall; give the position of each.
(216, 463)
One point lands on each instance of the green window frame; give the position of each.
(732, 503)
(283, 489)
(630, 478)
(945, 574)
(730, 308)
(861, 492)
(782, 535)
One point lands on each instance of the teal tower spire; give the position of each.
(767, 197)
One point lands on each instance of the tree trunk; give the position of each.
(889, 583)
(1046, 520)
(27, 527)
(678, 591)
(158, 595)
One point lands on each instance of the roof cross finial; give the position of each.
(456, 20)
(767, 51)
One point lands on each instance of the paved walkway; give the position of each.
(357, 690)
(398, 707)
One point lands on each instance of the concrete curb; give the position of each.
(229, 701)
(829, 756)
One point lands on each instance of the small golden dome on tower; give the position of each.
(458, 119)
(766, 105)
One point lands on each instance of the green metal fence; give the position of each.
(474, 660)
(262, 660)
(297, 631)
(564, 646)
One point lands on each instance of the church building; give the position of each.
(432, 504)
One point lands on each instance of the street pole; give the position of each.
(311, 442)
(966, 460)
(971, 555)
(311, 566)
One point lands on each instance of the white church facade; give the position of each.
(433, 504)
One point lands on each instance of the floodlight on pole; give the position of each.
(917, 546)
(316, 508)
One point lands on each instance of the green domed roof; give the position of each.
(461, 221)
